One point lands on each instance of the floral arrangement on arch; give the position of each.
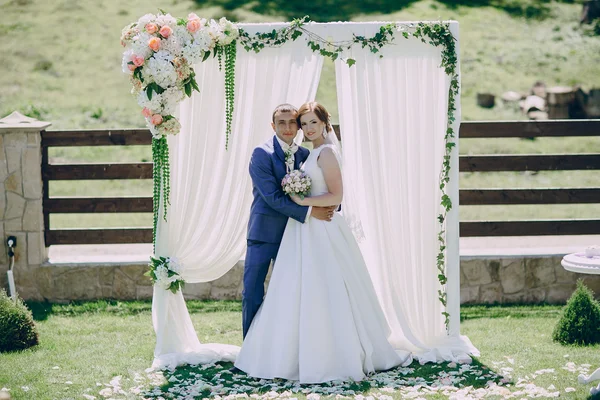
(160, 52)
(165, 272)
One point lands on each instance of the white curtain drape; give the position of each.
(211, 190)
(393, 118)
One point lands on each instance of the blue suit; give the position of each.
(269, 214)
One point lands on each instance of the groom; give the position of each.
(271, 208)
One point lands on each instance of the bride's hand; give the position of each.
(296, 199)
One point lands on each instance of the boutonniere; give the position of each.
(289, 160)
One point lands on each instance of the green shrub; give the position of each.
(17, 329)
(580, 321)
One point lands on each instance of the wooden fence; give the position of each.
(478, 163)
(55, 172)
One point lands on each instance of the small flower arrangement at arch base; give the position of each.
(164, 272)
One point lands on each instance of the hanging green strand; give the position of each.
(230, 54)
(161, 181)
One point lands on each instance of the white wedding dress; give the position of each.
(321, 319)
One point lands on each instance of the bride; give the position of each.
(321, 319)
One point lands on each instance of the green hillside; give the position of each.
(61, 59)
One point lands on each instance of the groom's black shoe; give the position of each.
(236, 370)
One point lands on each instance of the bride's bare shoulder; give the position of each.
(327, 158)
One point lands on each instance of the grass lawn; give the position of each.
(104, 346)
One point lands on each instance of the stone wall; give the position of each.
(21, 200)
(483, 281)
(64, 282)
(519, 280)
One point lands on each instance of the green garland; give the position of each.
(439, 35)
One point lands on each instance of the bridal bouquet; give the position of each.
(160, 51)
(296, 182)
(164, 272)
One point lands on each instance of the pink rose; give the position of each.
(194, 25)
(154, 43)
(166, 31)
(138, 61)
(131, 67)
(147, 113)
(192, 16)
(151, 28)
(156, 119)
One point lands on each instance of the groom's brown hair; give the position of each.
(283, 108)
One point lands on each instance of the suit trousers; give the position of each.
(256, 267)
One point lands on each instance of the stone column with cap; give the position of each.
(21, 213)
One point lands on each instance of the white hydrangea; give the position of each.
(229, 32)
(170, 98)
(214, 29)
(154, 130)
(147, 74)
(124, 63)
(146, 19)
(155, 104)
(182, 34)
(174, 264)
(140, 45)
(192, 53)
(163, 279)
(172, 45)
(161, 70)
(205, 39)
(164, 55)
(166, 19)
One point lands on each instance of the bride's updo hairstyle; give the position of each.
(319, 111)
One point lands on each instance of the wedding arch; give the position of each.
(399, 112)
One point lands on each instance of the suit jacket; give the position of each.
(271, 207)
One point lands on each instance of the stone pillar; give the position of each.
(21, 201)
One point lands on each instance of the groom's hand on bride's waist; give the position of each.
(323, 213)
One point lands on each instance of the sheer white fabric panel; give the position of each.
(393, 113)
(211, 190)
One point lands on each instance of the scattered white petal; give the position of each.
(570, 389)
(56, 367)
